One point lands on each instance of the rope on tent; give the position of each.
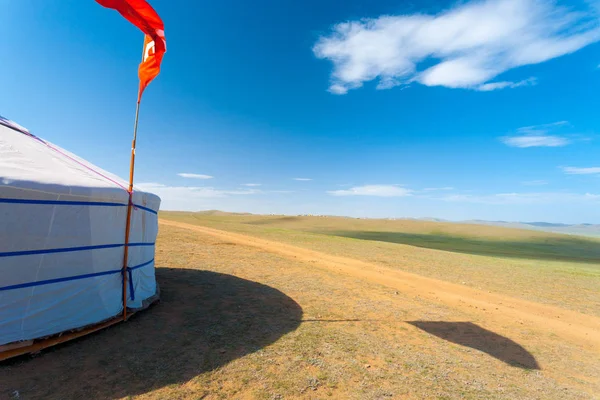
(131, 289)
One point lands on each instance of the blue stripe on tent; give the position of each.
(74, 203)
(71, 278)
(145, 209)
(61, 202)
(141, 265)
(69, 249)
(57, 280)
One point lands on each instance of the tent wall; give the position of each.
(61, 265)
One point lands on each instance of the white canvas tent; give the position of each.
(62, 234)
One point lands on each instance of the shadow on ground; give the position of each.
(204, 321)
(566, 249)
(473, 336)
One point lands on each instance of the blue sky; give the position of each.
(456, 110)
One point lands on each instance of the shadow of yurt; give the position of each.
(203, 321)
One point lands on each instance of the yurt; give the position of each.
(62, 244)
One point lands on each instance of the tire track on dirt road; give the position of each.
(582, 330)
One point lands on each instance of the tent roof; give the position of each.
(32, 168)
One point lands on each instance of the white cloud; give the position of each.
(524, 198)
(470, 44)
(581, 171)
(534, 183)
(543, 127)
(487, 87)
(338, 89)
(191, 192)
(373, 190)
(537, 136)
(195, 198)
(251, 184)
(535, 141)
(194, 176)
(302, 179)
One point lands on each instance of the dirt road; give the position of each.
(497, 310)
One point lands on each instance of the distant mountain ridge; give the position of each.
(584, 229)
(569, 229)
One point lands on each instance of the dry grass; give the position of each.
(238, 322)
(565, 269)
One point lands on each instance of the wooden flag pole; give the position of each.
(129, 206)
(130, 203)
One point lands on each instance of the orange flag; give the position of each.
(142, 15)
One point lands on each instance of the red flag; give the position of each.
(142, 15)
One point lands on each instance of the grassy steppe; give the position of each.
(562, 270)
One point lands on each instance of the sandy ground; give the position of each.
(497, 310)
